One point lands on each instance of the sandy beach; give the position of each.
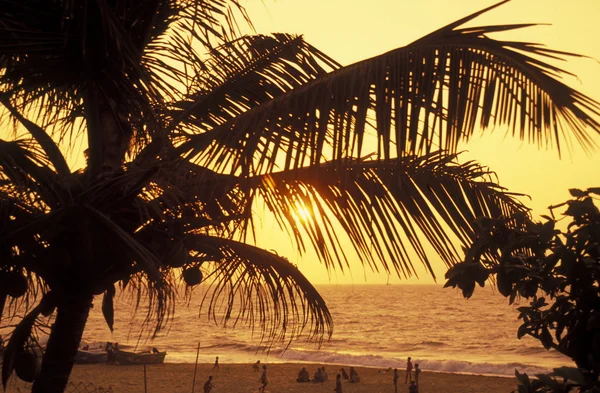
(239, 378)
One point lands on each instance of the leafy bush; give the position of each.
(558, 271)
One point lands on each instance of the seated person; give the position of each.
(344, 373)
(412, 387)
(303, 375)
(354, 375)
(318, 377)
(324, 375)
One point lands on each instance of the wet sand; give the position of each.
(240, 378)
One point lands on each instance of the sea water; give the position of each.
(374, 325)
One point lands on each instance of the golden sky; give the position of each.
(352, 30)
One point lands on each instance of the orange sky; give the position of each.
(352, 30)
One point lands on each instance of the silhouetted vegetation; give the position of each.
(558, 273)
(189, 124)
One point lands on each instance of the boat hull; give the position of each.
(89, 357)
(125, 358)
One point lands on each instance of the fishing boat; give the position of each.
(154, 357)
(91, 356)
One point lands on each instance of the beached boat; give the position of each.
(124, 357)
(88, 357)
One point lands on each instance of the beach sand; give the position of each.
(239, 378)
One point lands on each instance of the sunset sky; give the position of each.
(352, 30)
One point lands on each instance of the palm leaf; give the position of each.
(252, 70)
(428, 95)
(267, 287)
(388, 209)
(42, 138)
(25, 165)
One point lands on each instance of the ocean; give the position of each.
(374, 326)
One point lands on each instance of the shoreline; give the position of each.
(240, 378)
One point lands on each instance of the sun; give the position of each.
(303, 213)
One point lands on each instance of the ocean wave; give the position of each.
(460, 366)
(384, 362)
(433, 344)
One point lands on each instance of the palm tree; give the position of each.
(189, 124)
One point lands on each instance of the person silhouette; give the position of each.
(354, 375)
(318, 375)
(216, 364)
(338, 384)
(417, 372)
(412, 387)
(256, 366)
(263, 379)
(303, 375)
(396, 377)
(208, 385)
(344, 373)
(409, 368)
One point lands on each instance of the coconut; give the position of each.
(26, 366)
(15, 284)
(192, 276)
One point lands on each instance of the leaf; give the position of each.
(523, 379)
(548, 381)
(503, 282)
(16, 343)
(468, 288)
(523, 330)
(571, 374)
(546, 338)
(108, 307)
(595, 190)
(547, 231)
(577, 193)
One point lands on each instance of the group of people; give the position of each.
(413, 384)
(319, 376)
(111, 352)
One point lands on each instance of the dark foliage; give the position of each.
(558, 272)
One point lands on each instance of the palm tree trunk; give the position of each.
(71, 317)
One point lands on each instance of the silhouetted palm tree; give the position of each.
(189, 123)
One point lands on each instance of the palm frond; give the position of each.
(42, 138)
(389, 209)
(250, 285)
(245, 73)
(25, 165)
(426, 96)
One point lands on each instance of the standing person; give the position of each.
(338, 384)
(409, 368)
(109, 353)
(208, 385)
(263, 379)
(417, 372)
(216, 364)
(396, 376)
